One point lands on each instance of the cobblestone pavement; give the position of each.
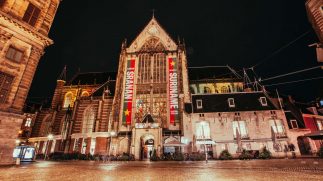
(299, 169)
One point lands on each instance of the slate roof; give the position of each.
(92, 78)
(246, 101)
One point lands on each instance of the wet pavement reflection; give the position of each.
(306, 169)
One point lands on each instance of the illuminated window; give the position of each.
(224, 89)
(231, 102)
(241, 127)
(68, 101)
(203, 130)
(28, 122)
(278, 126)
(319, 124)
(88, 120)
(14, 54)
(31, 14)
(199, 104)
(5, 86)
(207, 90)
(85, 94)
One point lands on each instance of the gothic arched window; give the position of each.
(68, 100)
(85, 94)
(88, 120)
(207, 90)
(224, 89)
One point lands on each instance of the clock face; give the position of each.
(153, 30)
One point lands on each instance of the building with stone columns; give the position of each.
(156, 103)
(24, 27)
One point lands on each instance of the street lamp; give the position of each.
(112, 133)
(49, 137)
(205, 148)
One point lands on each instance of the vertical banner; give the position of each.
(173, 90)
(128, 92)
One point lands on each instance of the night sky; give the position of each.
(88, 36)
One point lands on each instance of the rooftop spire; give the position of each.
(62, 76)
(153, 11)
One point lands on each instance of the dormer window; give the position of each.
(231, 102)
(199, 104)
(263, 101)
(294, 124)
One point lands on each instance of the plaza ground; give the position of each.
(276, 169)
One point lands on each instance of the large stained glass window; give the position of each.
(151, 93)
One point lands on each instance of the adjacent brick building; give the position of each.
(24, 27)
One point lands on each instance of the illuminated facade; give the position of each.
(24, 27)
(151, 89)
(155, 104)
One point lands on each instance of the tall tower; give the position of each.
(24, 27)
(151, 89)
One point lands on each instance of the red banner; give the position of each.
(173, 90)
(128, 92)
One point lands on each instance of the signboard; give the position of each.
(128, 92)
(173, 90)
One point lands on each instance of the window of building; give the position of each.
(263, 101)
(241, 127)
(224, 89)
(2, 3)
(319, 124)
(203, 130)
(85, 94)
(68, 100)
(207, 90)
(199, 104)
(277, 126)
(31, 14)
(231, 102)
(5, 86)
(88, 120)
(14, 54)
(294, 124)
(28, 122)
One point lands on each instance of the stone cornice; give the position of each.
(25, 28)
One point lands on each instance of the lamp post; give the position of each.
(112, 133)
(205, 148)
(49, 137)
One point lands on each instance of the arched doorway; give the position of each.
(304, 145)
(147, 147)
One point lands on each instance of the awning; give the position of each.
(173, 143)
(317, 135)
(205, 142)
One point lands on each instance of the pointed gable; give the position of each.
(152, 37)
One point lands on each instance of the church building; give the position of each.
(156, 103)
